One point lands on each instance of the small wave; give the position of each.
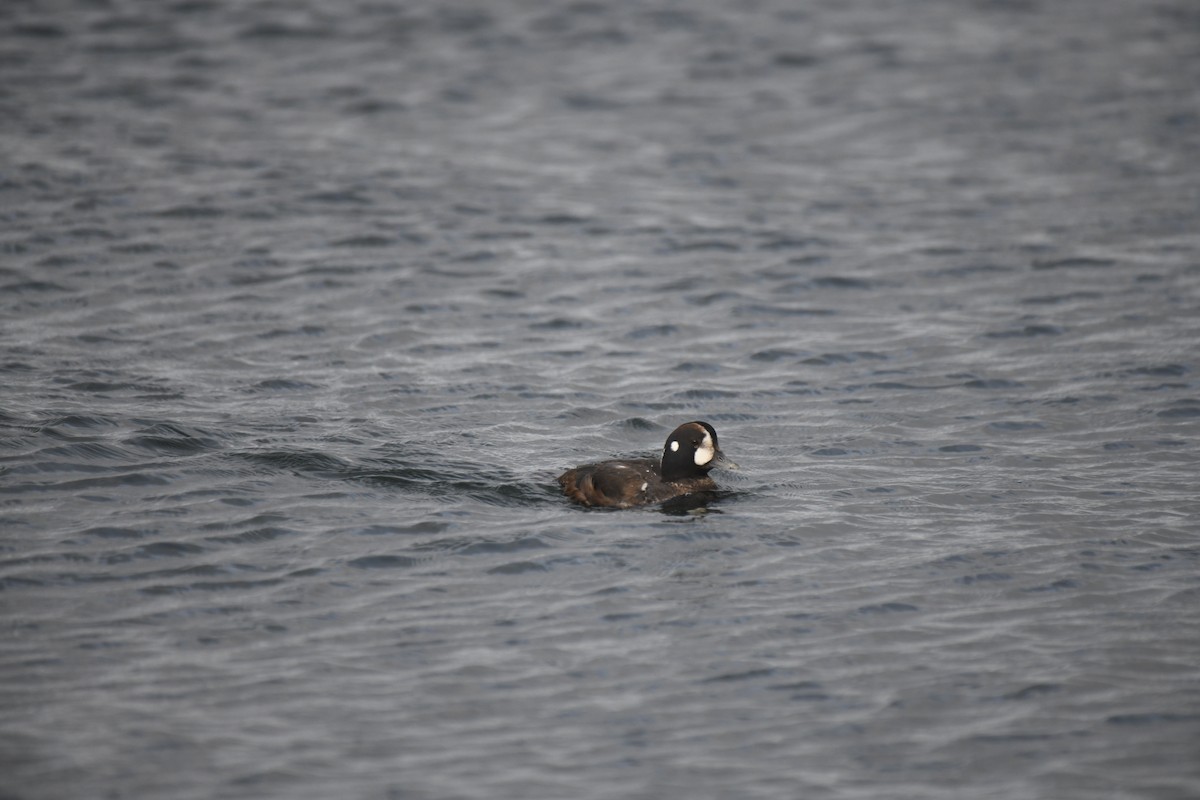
(761, 309)
(1027, 331)
(256, 535)
(518, 568)
(111, 532)
(170, 439)
(383, 562)
(304, 461)
(826, 359)
(1181, 409)
(839, 282)
(1074, 262)
(282, 385)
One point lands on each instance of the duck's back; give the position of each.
(619, 484)
(624, 484)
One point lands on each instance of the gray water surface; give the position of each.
(304, 305)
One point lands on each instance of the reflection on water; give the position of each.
(302, 313)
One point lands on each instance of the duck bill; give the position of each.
(721, 461)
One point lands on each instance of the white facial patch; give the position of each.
(644, 485)
(705, 452)
(674, 446)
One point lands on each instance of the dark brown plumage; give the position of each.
(689, 453)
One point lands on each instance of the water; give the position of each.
(302, 310)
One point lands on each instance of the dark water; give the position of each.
(303, 306)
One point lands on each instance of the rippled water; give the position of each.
(302, 309)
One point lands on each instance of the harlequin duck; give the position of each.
(690, 452)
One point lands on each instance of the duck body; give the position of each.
(689, 453)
